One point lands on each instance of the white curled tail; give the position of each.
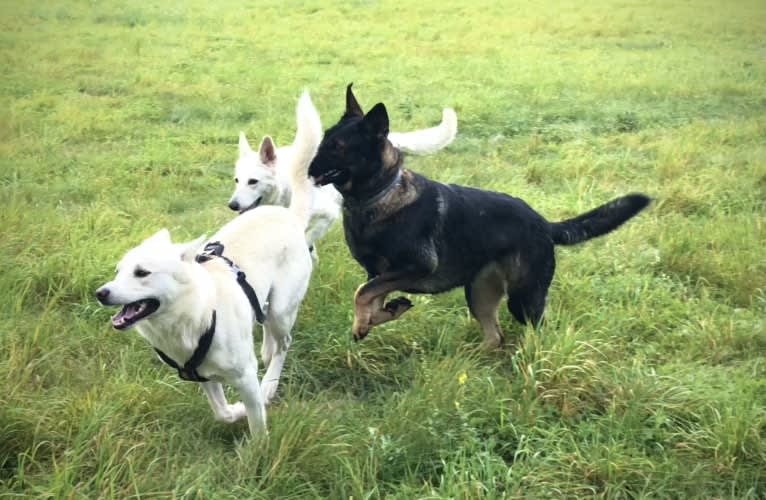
(427, 140)
(307, 138)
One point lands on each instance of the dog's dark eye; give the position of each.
(141, 273)
(252, 182)
(236, 181)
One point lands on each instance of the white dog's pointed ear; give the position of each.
(189, 250)
(161, 236)
(244, 146)
(267, 151)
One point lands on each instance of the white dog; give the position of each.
(197, 311)
(261, 178)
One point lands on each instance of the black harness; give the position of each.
(189, 370)
(215, 249)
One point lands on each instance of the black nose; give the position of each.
(233, 205)
(102, 294)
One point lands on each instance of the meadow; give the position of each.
(648, 377)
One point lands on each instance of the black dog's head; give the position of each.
(354, 152)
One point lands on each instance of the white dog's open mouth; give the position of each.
(133, 312)
(252, 205)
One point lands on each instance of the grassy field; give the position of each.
(648, 379)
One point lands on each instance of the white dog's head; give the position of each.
(255, 175)
(149, 277)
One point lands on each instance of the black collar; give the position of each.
(189, 370)
(365, 203)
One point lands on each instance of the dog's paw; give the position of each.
(493, 344)
(269, 390)
(238, 410)
(232, 413)
(398, 306)
(360, 329)
(360, 333)
(362, 323)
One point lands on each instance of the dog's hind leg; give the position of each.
(278, 330)
(318, 227)
(223, 411)
(483, 296)
(527, 305)
(325, 213)
(269, 346)
(526, 302)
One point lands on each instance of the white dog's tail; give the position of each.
(427, 140)
(307, 138)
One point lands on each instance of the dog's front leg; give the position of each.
(250, 389)
(223, 411)
(370, 297)
(383, 311)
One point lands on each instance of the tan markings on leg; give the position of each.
(362, 315)
(368, 302)
(487, 291)
(391, 311)
(376, 307)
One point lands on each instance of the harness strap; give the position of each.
(189, 370)
(260, 317)
(215, 248)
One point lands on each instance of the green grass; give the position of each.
(648, 379)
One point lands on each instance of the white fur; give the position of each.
(269, 245)
(272, 186)
(427, 140)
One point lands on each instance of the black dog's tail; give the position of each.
(598, 221)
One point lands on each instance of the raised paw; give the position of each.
(391, 311)
(360, 331)
(398, 306)
(362, 323)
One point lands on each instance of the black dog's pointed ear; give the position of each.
(352, 106)
(377, 121)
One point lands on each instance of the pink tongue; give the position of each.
(125, 315)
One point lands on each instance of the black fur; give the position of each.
(427, 237)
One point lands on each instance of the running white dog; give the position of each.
(197, 311)
(261, 178)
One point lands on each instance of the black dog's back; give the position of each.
(483, 226)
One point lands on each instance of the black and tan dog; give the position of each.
(419, 236)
